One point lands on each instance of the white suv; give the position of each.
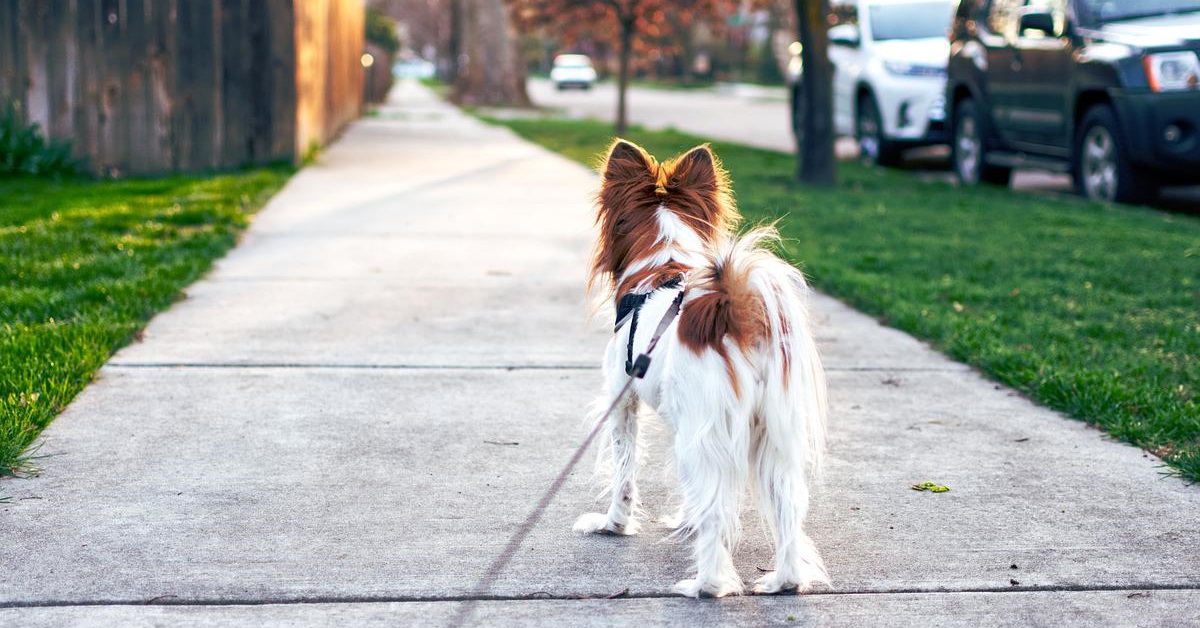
(889, 59)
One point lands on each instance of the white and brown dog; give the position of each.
(736, 375)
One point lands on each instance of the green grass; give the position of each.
(83, 266)
(1090, 309)
(439, 87)
(676, 84)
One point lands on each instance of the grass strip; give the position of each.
(84, 265)
(1090, 309)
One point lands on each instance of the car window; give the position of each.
(842, 13)
(1003, 15)
(572, 61)
(1056, 8)
(1116, 10)
(916, 20)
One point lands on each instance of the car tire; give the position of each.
(968, 149)
(1101, 165)
(873, 147)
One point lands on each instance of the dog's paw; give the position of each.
(695, 587)
(598, 523)
(773, 583)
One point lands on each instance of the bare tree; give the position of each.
(489, 66)
(814, 135)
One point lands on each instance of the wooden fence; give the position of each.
(153, 86)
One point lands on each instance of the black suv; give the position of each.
(1108, 90)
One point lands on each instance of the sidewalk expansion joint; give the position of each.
(170, 600)
(898, 369)
(351, 367)
(465, 367)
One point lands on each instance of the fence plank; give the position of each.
(85, 110)
(283, 70)
(61, 69)
(233, 81)
(10, 56)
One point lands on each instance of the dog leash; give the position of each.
(640, 366)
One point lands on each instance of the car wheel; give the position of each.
(1102, 169)
(968, 152)
(873, 147)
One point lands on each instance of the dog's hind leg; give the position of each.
(620, 518)
(712, 476)
(783, 498)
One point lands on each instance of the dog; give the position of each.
(736, 374)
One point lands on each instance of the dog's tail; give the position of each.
(753, 302)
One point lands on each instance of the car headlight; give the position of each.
(1170, 71)
(903, 68)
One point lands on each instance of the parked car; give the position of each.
(889, 62)
(1108, 90)
(573, 70)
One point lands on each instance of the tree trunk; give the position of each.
(458, 9)
(491, 72)
(627, 25)
(816, 163)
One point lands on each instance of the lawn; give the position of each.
(1090, 309)
(83, 266)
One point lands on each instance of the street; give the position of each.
(758, 116)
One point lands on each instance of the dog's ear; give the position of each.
(698, 169)
(699, 186)
(627, 161)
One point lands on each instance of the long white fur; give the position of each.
(683, 245)
(719, 446)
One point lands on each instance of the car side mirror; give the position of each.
(844, 35)
(1037, 21)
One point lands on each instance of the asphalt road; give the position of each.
(758, 116)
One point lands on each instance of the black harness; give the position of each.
(629, 307)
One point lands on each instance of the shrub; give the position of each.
(23, 150)
(381, 31)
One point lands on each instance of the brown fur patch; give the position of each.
(729, 309)
(653, 277)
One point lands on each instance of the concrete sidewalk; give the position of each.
(354, 415)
